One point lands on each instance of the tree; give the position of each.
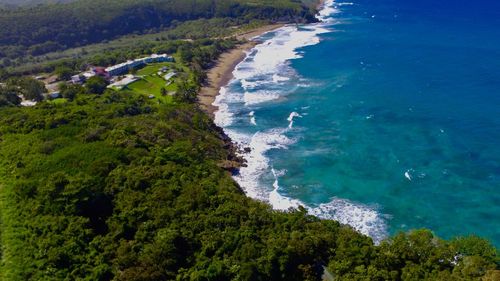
(186, 93)
(6, 62)
(64, 73)
(33, 89)
(185, 53)
(96, 85)
(30, 88)
(163, 91)
(8, 97)
(3, 74)
(70, 91)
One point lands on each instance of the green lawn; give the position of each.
(151, 83)
(58, 101)
(153, 68)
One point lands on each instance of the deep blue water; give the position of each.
(386, 116)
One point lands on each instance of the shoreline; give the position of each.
(222, 72)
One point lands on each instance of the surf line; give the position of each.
(250, 89)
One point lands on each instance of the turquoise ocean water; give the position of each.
(385, 116)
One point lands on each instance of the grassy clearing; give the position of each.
(58, 101)
(151, 83)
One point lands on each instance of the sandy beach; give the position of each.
(219, 75)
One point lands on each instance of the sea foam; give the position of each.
(257, 162)
(363, 218)
(291, 117)
(327, 12)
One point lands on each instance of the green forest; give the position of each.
(36, 30)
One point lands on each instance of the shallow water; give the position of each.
(385, 116)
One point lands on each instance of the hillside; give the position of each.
(45, 28)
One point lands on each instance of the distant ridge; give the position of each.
(30, 2)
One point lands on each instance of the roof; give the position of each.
(135, 62)
(100, 70)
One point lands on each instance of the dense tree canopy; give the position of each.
(96, 85)
(15, 88)
(41, 29)
(64, 72)
(117, 187)
(9, 96)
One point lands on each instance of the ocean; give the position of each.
(384, 116)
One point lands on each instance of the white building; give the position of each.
(169, 76)
(77, 79)
(125, 66)
(124, 82)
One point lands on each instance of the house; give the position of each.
(122, 68)
(162, 58)
(28, 103)
(124, 82)
(169, 76)
(88, 74)
(78, 79)
(101, 71)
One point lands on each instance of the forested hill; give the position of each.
(36, 30)
(117, 187)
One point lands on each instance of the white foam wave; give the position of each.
(408, 174)
(252, 98)
(248, 85)
(291, 117)
(267, 58)
(345, 4)
(328, 10)
(252, 117)
(222, 117)
(361, 217)
(278, 201)
(257, 162)
(278, 79)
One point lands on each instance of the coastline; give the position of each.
(246, 159)
(222, 72)
(218, 76)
